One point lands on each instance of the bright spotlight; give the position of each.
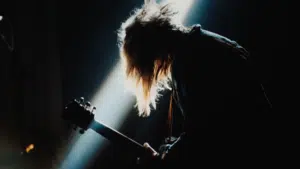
(182, 6)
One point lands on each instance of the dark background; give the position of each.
(65, 49)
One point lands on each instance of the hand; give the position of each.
(151, 150)
(164, 150)
(149, 158)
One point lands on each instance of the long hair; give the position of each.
(144, 40)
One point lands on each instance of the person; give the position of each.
(212, 81)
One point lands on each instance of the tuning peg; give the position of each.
(93, 110)
(88, 104)
(81, 131)
(81, 99)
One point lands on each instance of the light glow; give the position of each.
(182, 6)
(112, 103)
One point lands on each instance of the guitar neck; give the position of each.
(114, 136)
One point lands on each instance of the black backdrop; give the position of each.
(65, 49)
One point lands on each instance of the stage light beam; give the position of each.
(182, 6)
(112, 103)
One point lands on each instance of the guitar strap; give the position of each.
(170, 116)
(173, 97)
(170, 138)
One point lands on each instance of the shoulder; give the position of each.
(219, 40)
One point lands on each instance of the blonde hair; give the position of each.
(143, 42)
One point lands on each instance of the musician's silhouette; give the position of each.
(212, 80)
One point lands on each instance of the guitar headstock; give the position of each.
(79, 113)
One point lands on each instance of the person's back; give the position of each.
(217, 84)
(222, 100)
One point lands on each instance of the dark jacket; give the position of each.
(224, 105)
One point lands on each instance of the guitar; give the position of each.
(81, 114)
